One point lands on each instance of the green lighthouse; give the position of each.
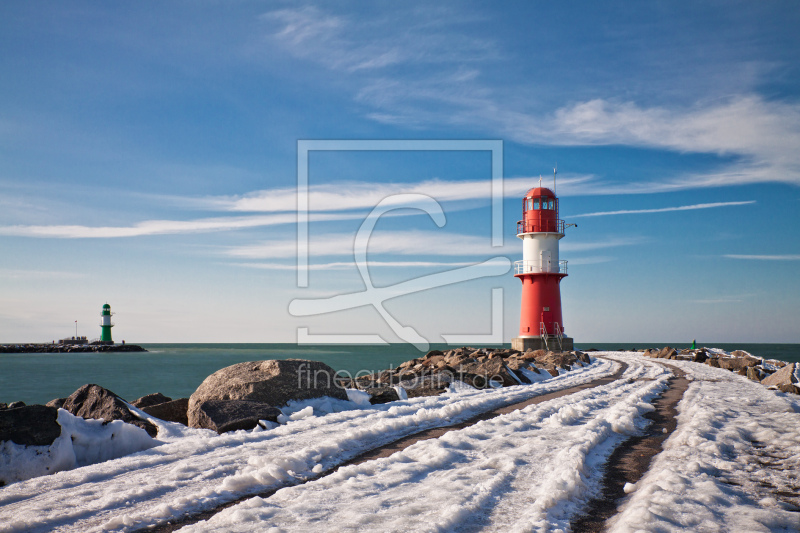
(106, 325)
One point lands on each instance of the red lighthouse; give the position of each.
(540, 271)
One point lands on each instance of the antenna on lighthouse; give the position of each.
(540, 181)
(555, 171)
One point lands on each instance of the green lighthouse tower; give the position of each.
(106, 325)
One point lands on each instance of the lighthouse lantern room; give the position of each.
(541, 325)
(106, 325)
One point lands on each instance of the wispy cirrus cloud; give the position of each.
(756, 138)
(344, 265)
(416, 243)
(365, 195)
(787, 257)
(663, 209)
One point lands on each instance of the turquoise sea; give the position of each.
(177, 369)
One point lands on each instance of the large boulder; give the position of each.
(273, 382)
(31, 425)
(172, 411)
(93, 401)
(231, 415)
(491, 369)
(734, 364)
(428, 385)
(563, 360)
(784, 376)
(667, 352)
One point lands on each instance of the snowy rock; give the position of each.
(583, 358)
(564, 360)
(172, 411)
(382, 395)
(701, 356)
(737, 363)
(788, 387)
(667, 352)
(231, 415)
(713, 361)
(753, 373)
(151, 399)
(784, 376)
(491, 369)
(93, 401)
(430, 385)
(32, 425)
(272, 382)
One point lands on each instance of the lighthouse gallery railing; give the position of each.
(536, 267)
(540, 226)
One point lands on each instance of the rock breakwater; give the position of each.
(69, 348)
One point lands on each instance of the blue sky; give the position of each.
(148, 158)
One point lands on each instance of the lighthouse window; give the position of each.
(536, 204)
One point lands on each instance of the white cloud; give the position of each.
(789, 257)
(663, 209)
(417, 243)
(343, 265)
(365, 195)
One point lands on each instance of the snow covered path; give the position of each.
(531, 469)
(205, 470)
(732, 465)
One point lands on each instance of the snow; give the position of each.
(736, 447)
(82, 442)
(202, 469)
(731, 464)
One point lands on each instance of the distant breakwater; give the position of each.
(69, 348)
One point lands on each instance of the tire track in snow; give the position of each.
(399, 445)
(632, 459)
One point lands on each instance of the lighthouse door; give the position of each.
(546, 261)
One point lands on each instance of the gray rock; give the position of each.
(172, 411)
(701, 356)
(753, 373)
(788, 387)
(271, 382)
(151, 399)
(784, 376)
(231, 415)
(713, 361)
(734, 364)
(57, 403)
(667, 352)
(14, 405)
(93, 401)
(31, 425)
(382, 395)
(3, 406)
(492, 369)
(429, 385)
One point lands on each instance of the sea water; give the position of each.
(178, 369)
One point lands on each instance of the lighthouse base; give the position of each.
(524, 344)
